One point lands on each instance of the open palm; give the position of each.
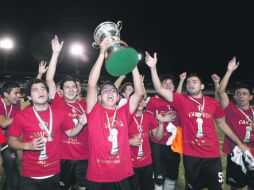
(151, 61)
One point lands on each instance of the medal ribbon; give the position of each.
(82, 110)
(201, 106)
(113, 121)
(49, 131)
(247, 117)
(7, 115)
(139, 125)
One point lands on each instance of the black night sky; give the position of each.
(192, 36)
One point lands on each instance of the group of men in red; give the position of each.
(93, 143)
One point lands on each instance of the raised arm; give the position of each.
(91, 97)
(42, 69)
(216, 82)
(151, 62)
(143, 86)
(228, 131)
(138, 90)
(180, 84)
(56, 49)
(119, 81)
(223, 97)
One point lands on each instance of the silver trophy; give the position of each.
(43, 154)
(200, 133)
(106, 29)
(247, 135)
(140, 149)
(114, 148)
(120, 58)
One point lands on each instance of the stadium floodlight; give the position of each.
(6, 43)
(76, 49)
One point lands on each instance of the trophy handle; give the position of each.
(119, 26)
(95, 45)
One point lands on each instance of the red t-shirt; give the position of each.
(148, 123)
(75, 148)
(163, 106)
(26, 124)
(208, 145)
(238, 122)
(2, 139)
(102, 166)
(11, 113)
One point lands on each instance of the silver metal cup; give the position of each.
(43, 154)
(106, 29)
(120, 59)
(140, 149)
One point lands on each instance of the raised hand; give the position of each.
(233, 64)
(151, 61)
(183, 76)
(42, 67)
(215, 78)
(56, 45)
(104, 44)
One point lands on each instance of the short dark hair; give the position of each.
(65, 79)
(33, 81)
(124, 87)
(77, 80)
(166, 77)
(8, 86)
(195, 75)
(243, 85)
(107, 83)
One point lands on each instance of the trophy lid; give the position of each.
(122, 62)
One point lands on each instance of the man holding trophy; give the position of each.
(109, 163)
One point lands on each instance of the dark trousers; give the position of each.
(119, 185)
(11, 171)
(51, 183)
(142, 179)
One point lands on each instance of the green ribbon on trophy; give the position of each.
(120, 58)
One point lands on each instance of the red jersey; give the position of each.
(188, 110)
(240, 125)
(7, 111)
(148, 123)
(103, 165)
(163, 106)
(2, 139)
(26, 124)
(73, 148)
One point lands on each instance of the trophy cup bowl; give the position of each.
(120, 58)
